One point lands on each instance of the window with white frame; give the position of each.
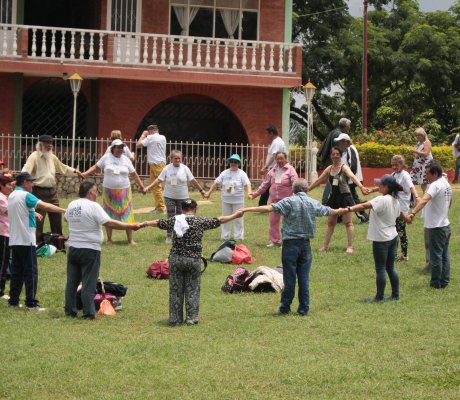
(234, 19)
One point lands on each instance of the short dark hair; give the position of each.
(189, 204)
(435, 168)
(272, 129)
(84, 189)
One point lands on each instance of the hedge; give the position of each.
(374, 155)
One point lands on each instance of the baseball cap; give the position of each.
(387, 180)
(23, 177)
(234, 157)
(342, 136)
(117, 142)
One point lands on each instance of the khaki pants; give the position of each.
(155, 170)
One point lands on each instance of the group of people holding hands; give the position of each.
(388, 216)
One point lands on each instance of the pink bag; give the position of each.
(158, 270)
(241, 254)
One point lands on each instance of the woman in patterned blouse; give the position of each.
(184, 259)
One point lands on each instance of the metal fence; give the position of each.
(205, 159)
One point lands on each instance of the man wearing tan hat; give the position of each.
(43, 165)
(156, 157)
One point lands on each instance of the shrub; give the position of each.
(374, 155)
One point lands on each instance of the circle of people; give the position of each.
(35, 189)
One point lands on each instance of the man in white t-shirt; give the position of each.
(156, 157)
(436, 203)
(277, 145)
(22, 219)
(86, 217)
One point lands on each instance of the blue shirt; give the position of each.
(299, 215)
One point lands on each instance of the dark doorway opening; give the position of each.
(195, 118)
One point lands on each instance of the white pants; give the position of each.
(238, 224)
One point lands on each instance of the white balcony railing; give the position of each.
(147, 50)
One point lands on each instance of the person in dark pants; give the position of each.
(86, 217)
(185, 258)
(5, 191)
(350, 157)
(385, 209)
(299, 225)
(22, 219)
(277, 145)
(436, 201)
(325, 151)
(43, 165)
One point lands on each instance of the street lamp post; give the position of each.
(309, 90)
(75, 84)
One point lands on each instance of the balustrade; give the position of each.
(151, 50)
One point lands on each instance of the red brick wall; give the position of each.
(124, 104)
(271, 20)
(6, 102)
(155, 16)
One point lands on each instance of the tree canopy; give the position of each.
(413, 64)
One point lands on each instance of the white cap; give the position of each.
(342, 136)
(117, 142)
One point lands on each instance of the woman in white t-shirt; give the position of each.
(117, 195)
(232, 182)
(382, 231)
(175, 177)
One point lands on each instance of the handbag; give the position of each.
(158, 270)
(105, 308)
(241, 255)
(224, 253)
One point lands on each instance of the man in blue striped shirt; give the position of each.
(299, 225)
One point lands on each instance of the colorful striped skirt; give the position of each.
(118, 203)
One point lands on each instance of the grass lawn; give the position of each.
(344, 349)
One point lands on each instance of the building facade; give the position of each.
(203, 70)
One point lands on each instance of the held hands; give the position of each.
(250, 196)
(81, 175)
(365, 191)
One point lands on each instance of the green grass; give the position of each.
(344, 349)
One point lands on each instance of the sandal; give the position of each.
(349, 250)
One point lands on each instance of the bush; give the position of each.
(374, 155)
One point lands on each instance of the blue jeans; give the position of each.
(439, 256)
(384, 259)
(82, 266)
(296, 258)
(24, 271)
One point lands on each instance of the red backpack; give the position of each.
(158, 270)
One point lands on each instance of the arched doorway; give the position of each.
(48, 108)
(195, 118)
